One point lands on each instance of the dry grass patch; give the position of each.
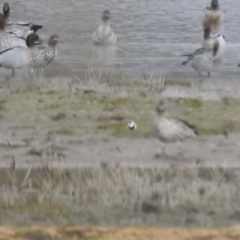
(120, 196)
(143, 233)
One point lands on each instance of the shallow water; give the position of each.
(152, 34)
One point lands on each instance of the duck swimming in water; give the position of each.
(104, 35)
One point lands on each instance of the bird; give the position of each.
(42, 56)
(170, 129)
(104, 35)
(213, 16)
(207, 59)
(20, 29)
(6, 11)
(19, 57)
(131, 125)
(11, 39)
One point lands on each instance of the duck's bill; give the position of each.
(38, 42)
(60, 40)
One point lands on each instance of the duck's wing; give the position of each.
(22, 29)
(199, 51)
(188, 125)
(20, 33)
(13, 58)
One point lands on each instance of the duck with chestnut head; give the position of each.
(43, 56)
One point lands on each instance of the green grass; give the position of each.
(193, 103)
(52, 106)
(65, 113)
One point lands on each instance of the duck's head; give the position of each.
(160, 109)
(105, 15)
(33, 40)
(6, 10)
(54, 40)
(214, 4)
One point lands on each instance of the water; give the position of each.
(152, 34)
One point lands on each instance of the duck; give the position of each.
(11, 39)
(170, 129)
(19, 57)
(213, 16)
(19, 29)
(42, 56)
(22, 30)
(207, 59)
(6, 11)
(104, 35)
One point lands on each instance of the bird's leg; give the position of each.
(209, 74)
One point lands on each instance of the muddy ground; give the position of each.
(82, 120)
(85, 167)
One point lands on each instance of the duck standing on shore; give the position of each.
(19, 57)
(43, 56)
(169, 129)
(210, 56)
(207, 59)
